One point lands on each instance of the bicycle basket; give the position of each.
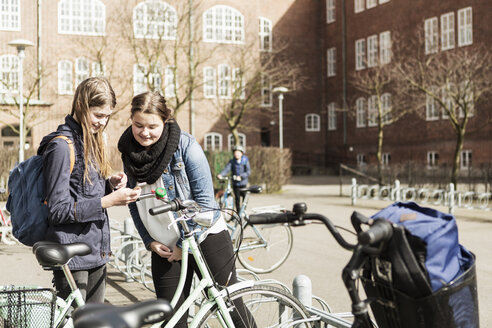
(452, 306)
(26, 307)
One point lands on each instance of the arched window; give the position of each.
(312, 122)
(9, 74)
(155, 20)
(223, 24)
(86, 17)
(230, 140)
(213, 141)
(65, 77)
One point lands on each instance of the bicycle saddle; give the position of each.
(252, 189)
(130, 316)
(51, 254)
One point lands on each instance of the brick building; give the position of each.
(74, 39)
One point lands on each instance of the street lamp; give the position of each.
(21, 45)
(280, 91)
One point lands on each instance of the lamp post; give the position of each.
(280, 91)
(21, 45)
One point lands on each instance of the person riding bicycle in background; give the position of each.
(240, 170)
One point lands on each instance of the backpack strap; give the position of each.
(72, 151)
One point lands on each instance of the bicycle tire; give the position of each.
(264, 247)
(269, 306)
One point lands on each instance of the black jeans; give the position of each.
(238, 197)
(218, 253)
(92, 284)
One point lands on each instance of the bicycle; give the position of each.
(225, 198)
(33, 306)
(262, 248)
(267, 306)
(390, 307)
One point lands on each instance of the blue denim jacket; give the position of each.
(187, 176)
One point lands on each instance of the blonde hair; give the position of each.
(93, 92)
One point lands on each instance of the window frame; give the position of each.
(216, 141)
(359, 6)
(431, 31)
(211, 33)
(266, 91)
(209, 82)
(372, 111)
(81, 73)
(12, 13)
(447, 31)
(9, 71)
(465, 27)
(242, 140)
(332, 116)
(371, 4)
(65, 78)
(331, 61)
(330, 11)
(361, 121)
(372, 51)
(265, 34)
(432, 159)
(224, 81)
(91, 14)
(466, 159)
(360, 54)
(384, 47)
(148, 26)
(312, 122)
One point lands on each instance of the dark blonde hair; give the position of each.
(93, 92)
(151, 103)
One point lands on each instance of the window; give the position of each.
(385, 47)
(223, 24)
(266, 91)
(332, 117)
(86, 17)
(9, 74)
(312, 122)
(359, 6)
(265, 34)
(98, 69)
(224, 81)
(383, 1)
(432, 159)
(360, 104)
(385, 159)
(371, 3)
(10, 15)
(170, 82)
(81, 70)
(230, 140)
(330, 11)
(65, 82)
(139, 80)
(360, 54)
(431, 110)
(386, 108)
(465, 27)
(331, 55)
(447, 31)
(361, 160)
(372, 111)
(431, 35)
(238, 89)
(209, 86)
(467, 101)
(447, 101)
(155, 78)
(372, 51)
(466, 159)
(155, 19)
(213, 141)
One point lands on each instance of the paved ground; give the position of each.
(315, 252)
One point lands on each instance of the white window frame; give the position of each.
(330, 11)
(65, 77)
(383, 1)
(155, 19)
(96, 69)
(432, 159)
(447, 31)
(372, 111)
(385, 159)
(155, 77)
(86, 17)
(9, 74)
(332, 117)
(230, 140)
(265, 34)
(224, 82)
(266, 91)
(465, 27)
(170, 83)
(447, 100)
(371, 4)
(312, 122)
(431, 35)
(386, 108)
(331, 61)
(465, 159)
(361, 160)
(361, 105)
(359, 6)
(431, 109)
(10, 15)
(223, 24)
(372, 50)
(212, 141)
(360, 54)
(209, 82)
(82, 70)
(385, 47)
(238, 84)
(139, 83)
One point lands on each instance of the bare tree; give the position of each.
(458, 81)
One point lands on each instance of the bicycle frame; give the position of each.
(227, 193)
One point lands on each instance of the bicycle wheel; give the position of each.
(264, 247)
(269, 307)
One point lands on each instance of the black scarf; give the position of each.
(147, 164)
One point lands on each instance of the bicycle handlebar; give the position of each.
(380, 230)
(173, 205)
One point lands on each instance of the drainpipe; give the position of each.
(38, 47)
(344, 72)
(191, 69)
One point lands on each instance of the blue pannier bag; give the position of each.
(26, 200)
(423, 277)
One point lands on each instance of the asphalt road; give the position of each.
(315, 253)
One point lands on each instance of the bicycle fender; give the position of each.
(237, 286)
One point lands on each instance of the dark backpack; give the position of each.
(27, 200)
